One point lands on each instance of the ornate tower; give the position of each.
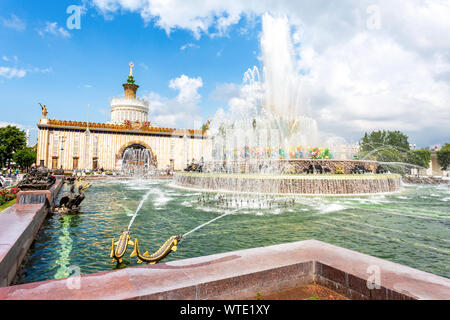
(129, 108)
(129, 87)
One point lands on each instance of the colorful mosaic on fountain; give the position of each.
(279, 152)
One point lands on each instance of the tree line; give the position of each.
(14, 151)
(393, 146)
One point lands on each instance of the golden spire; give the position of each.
(131, 69)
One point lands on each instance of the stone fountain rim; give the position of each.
(290, 176)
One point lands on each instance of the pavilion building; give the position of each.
(73, 145)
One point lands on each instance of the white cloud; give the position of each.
(355, 78)
(53, 29)
(194, 15)
(188, 45)
(14, 23)
(11, 72)
(181, 111)
(188, 88)
(15, 72)
(5, 124)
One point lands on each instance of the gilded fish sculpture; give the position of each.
(168, 246)
(120, 247)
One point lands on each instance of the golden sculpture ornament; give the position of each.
(131, 68)
(44, 110)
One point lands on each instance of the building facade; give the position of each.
(74, 145)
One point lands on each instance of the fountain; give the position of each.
(269, 152)
(270, 145)
(137, 162)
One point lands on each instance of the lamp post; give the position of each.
(63, 139)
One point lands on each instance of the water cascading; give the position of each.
(137, 162)
(267, 142)
(269, 117)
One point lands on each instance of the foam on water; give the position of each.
(161, 198)
(332, 208)
(186, 204)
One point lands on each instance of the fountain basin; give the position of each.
(325, 184)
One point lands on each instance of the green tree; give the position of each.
(443, 156)
(389, 155)
(12, 139)
(25, 157)
(420, 158)
(386, 146)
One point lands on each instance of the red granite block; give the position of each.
(394, 295)
(244, 273)
(308, 267)
(359, 285)
(113, 285)
(334, 275)
(233, 284)
(353, 295)
(149, 281)
(378, 294)
(337, 287)
(186, 293)
(100, 286)
(267, 288)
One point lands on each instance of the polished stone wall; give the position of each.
(246, 274)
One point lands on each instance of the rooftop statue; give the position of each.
(130, 79)
(206, 126)
(44, 110)
(131, 69)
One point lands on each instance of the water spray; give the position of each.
(211, 221)
(138, 208)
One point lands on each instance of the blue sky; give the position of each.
(88, 66)
(372, 64)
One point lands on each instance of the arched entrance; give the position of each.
(138, 155)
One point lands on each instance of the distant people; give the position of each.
(16, 172)
(10, 173)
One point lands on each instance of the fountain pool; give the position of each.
(411, 227)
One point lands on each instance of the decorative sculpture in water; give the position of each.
(37, 179)
(70, 202)
(168, 246)
(120, 247)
